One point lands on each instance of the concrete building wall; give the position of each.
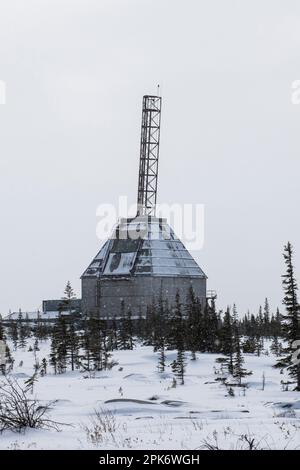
(89, 302)
(137, 292)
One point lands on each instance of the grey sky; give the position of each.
(75, 72)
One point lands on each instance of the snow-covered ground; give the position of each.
(144, 411)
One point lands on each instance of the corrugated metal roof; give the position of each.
(143, 246)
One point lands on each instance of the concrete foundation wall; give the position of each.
(137, 292)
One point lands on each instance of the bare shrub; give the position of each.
(211, 443)
(232, 441)
(251, 443)
(197, 425)
(18, 412)
(102, 427)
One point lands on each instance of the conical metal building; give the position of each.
(143, 258)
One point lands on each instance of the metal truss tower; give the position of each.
(149, 153)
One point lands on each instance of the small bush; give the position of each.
(18, 412)
(102, 426)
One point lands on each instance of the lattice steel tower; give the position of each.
(149, 154)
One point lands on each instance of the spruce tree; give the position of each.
(160, 343)
(107, 361)
(96, 341)
(44, 364)
(140, 326)
(13, 333)
(85, 342)
(238, 371)
(178, 366)
(278, 320)
(177, 338)
(125, 340)
(250, 343)
(128, 326)
(72, 343)
(151, 328)
(9, 360)
(214, 326)
(114, 334)
(276, 346)
(266, 314)
(161, 357)
(290, 319)
(192, 324)
(66, 301)
(41, 331)
(22, 331)
(58, 353)
(227, 340)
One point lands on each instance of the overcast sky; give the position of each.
(75, 72)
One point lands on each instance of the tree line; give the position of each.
(188, 327)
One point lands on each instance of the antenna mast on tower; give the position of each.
(149, 153)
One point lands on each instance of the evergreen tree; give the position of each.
(66, 301)
(227, 340)
(13, 332)
(44, 364)
(125, 340)
(114, 334)
(85, 357)
(260, 320)
(53, 361)
(178, 339)
(41, 330)
(258, 344)
(107, 362)
(276, 346)
(266, 315)
(140, 326)
(250, 343)
(96, 341)
(58, 353)
(238, 371)
(151, 329)
(161, 357)
(193, 313)
(72, 342)
(22, 331)
(178, 366)
(161, 334)
(290, 319)
(36, 345)
(9, 360)
(6, 360)
(128, 327)
(278, 320)
(177, 336)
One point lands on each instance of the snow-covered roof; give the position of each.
(143, 246)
